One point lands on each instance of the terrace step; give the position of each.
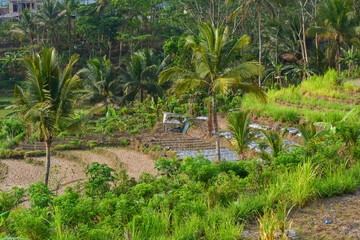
(185, 146)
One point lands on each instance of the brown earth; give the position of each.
(66, 172)
(335, 218)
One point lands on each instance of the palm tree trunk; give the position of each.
(47, 167)
(260, 46)
(217, 147)
(210, 126)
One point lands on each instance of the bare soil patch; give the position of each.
(341, 212)
(134, 162)
(23, 174)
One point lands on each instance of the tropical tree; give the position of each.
(26, 25)
(141, 75)
(276, 143)
(67, 7)
(260, 4)
(238, 125)
(336, 22)
(50, 15)
(214, 67)
(47, 104)
(351, 56)
(100, 82)
(308, 132)
(276, 71)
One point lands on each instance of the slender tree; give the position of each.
(48, 102)
(260, 5)
(215, 68)
(26, 26)
(50, 16)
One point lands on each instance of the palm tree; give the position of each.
(214, 67)
(238, 124)
(141, 75)
(26, 25)
(260, 4)
(308, 132)
(336, 22)
(276, 71)
(101, 82)
(67, 6)
(50, 15)
(276, 143)
(48, 102)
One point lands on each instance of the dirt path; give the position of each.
(23, 174)
(342, 214)
(134, 162)
(336, 218)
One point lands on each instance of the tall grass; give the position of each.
(326, 85)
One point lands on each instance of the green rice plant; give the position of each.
(248, 206)
(221, 224)
(302, 183)
(150, 224)
(191, 227)
(321, 85)
(339, 180)
(326, 85)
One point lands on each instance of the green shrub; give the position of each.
(10, 199)
(61, 147)
(40, 195)
(31, 223)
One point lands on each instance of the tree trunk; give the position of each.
(69, 34)
(217, 147)
(210, 126)
(47, 167)
(260, 47)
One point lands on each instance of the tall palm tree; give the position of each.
(67, 6)
(214, 67)
(100, 81)
(141, 75)
(26, 25)
(260, 4)
(336, 22)
(50, 15)
(238, 124)
(48, 102)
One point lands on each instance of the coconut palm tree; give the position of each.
(141, 75)
(214, 67)
(47, 104)
(100, 82)
(336, 22)
(238, 125)
(26, 25)
(260, 5)
(50, 16)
